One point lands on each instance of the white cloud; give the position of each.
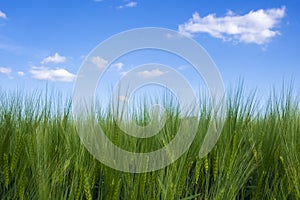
(99, 62)
(59, 74)
(54, 59)
(151, 73)
(2, 15)
(130, 4)
(118, 65)
(253, 27)
(20, 73)
(5, 70)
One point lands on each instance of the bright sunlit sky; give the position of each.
(47, 40)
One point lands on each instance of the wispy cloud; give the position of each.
(151, 73)
(183, 67)
(253, 27)
(54, 59)
(59, 74)
(20, 73)
(5, 70)
(130, 4)
(118, 66)
(2, 15)
(10, 47)
(99, 62)
(124, 73)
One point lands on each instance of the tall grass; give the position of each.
(256, 157)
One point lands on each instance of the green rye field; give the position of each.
(256, 157)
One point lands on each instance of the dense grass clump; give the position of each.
(256, 157)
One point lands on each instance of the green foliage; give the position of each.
(256, 157)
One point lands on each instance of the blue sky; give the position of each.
(46, 41)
